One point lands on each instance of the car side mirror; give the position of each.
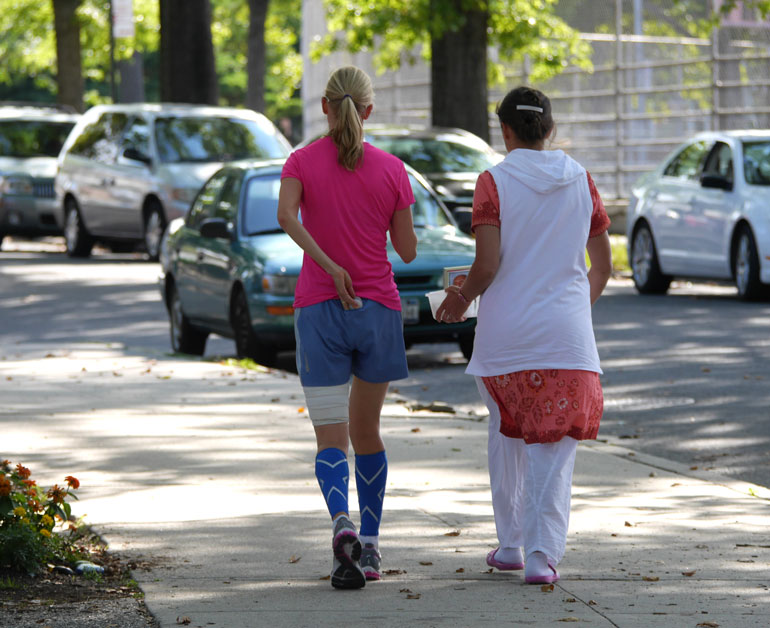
(717, 181)
(137, 155)
(463, 217)
(216, 228)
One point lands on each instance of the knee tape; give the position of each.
(327, 404)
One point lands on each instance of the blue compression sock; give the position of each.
(331, 469)
(371, 477)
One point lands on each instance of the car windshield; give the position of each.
(437, 155)
(261, 209)
(212, 139)
(756, 162)
(260, 214)
(32, 138)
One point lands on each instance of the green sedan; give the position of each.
(228, 268)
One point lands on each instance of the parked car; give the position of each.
(127, 170)
(31, 137)
(451, 159)
(705, 213)
(229, 268)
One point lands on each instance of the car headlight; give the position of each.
(283, 285)
(18, 186)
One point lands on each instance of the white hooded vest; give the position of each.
(536, 313)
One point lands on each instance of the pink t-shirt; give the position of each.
(349, 214)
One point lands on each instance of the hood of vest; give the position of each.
(541, 170)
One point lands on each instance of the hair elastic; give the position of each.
(347, 96)
(529, 108)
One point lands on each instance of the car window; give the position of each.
(720, 161)
(100, 139)
(260, 212)
(205, 203)
(213, 139)
(426, 211)
(227, 206)
(137, 137)
(436, 155)
(756, 162)
(687, 164)
(32, 138)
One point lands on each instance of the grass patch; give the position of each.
(8, 584)
(619, 254)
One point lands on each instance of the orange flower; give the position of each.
(57, 494)
(29, 483)
(23, 472)
(5, 464)
(5, 486)
(73, 482)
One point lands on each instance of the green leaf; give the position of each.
(6, 505)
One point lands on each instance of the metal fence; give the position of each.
(645, 94)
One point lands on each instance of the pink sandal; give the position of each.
(545, 578)
(493, 562)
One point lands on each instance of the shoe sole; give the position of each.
(371, 574)
(349, 574)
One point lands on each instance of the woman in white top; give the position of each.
(534, 357)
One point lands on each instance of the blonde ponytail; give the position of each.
(349, 92)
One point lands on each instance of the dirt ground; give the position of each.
(60, 600)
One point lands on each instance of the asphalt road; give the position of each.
(687, 375)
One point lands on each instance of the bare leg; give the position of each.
(366, 400)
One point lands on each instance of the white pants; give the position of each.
(531, 488)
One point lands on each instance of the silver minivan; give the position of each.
(127, 170)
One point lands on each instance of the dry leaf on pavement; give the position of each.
(184, 620)
(650, 578)
(688, 573)
(546, 588)
(452, 533)
(295, 559)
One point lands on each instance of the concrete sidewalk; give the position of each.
(202, 473)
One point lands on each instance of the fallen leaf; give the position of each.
(694, 468)
(592, 602)
(404, 590)
(568, 619)
(329, 577)
(546, 588)
(613, 534)
(415, 429)
(452, 533)
(414, 596)
(184, 620)
(650, 578)
(675, 484)
(460, 570)
(570, 600)
(50, 355)
(628, 524)
(295, 559)
(164, 376)
(708, 624)
(275, 399)
(688, 573)
(705, 369)
(393, 572)
(425, 562)
(300, 410)
(652, 474)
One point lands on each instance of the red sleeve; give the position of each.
(600, 221)
(486, 202)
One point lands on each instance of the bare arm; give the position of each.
(482, 273)
(600, 254)
(288, 217)
(402, 235)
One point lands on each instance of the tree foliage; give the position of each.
(400, 31)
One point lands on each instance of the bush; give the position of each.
(35, 523)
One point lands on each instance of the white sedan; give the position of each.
(705, 213)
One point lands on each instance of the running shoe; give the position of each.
(370, 562)
(346, 570)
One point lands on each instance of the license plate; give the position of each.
(410, 311)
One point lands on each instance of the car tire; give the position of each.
(644, 263)
(184, 337)
(154, 228)
(247, 344)
(466, 345)
(76, 237)
(746, 266)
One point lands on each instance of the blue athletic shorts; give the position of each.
(334, 343)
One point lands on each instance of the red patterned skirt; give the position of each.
(545, 405)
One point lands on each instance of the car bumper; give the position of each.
(28, 216)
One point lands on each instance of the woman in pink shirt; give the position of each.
(348, 325)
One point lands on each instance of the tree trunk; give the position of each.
(255, 65)
(69, 73)
(459, 74)
(187, 71)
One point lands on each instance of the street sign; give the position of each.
(122, 18)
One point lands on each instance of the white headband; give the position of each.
(529, 108)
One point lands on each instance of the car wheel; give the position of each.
(746, 267)
(247, 344)
(154, 227)
(466, 345)
(644, 264)
(184, 337)
(76, 238)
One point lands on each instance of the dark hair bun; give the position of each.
(520, 110)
